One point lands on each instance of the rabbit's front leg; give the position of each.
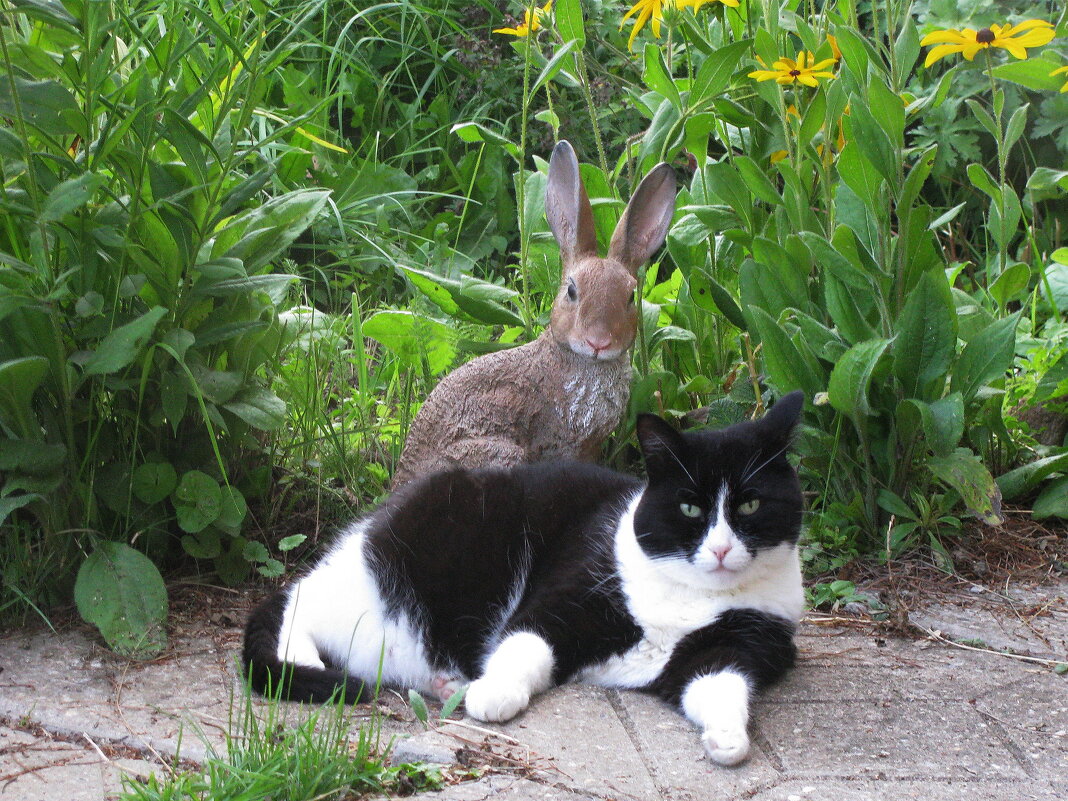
(521, 666)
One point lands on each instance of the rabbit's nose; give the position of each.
(599, 343)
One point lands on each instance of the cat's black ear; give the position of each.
(662, 445)
(782, 418)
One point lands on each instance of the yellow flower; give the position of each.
(528, 26)
(1061, 71)
(1014, 38)
(654, 10)
(804, 70)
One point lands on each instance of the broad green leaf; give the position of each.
(1055, 284)
(1024, 479)
(1015, 127)
(554, 66)
(232, 509)
(986, 357)
(756, 180)
(925, 337)
(255, 552)
(197, 500)
(11, 503)
(712, 296)
(291, 542)
(844, 306)
(874, 143)
(45, 105)
(918, 174)
(831, 259)
(860, 175)
(123, 345)
(1010, 284)
(259, 235)
(70, 195)
(715, 72)
(31, 456)
(466, 297)
(258, 407)
(1034, 73)
(19, 379)
(983, 181)
(206, 544)
(963, 472)
(121, 592)
(851, 377)
(658, 78)
(569, 22)
(1053, 500)
(154, 481)
(414, 338)
(786, 367)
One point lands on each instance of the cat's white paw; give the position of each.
(726, 746)
(495, 701)
(444, 687)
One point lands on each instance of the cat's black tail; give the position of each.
(271, 677)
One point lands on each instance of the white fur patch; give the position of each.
(719, 704)
(336, 612)
(521, 666)
(669, 598)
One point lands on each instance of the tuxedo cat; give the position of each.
(512, 580)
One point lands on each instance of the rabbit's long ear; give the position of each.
(645, 222)
(567, 207)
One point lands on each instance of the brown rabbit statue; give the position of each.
(561, 395)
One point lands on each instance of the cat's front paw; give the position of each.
(495, 701)
(726, 746)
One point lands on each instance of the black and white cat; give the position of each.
(514, 580)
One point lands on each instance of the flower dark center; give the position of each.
(795, 73)
(984, 36)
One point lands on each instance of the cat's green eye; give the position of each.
(749, 507)
(691, 510)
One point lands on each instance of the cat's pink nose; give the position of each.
(721, 552)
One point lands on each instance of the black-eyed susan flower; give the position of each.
(1014, 38)
(652, 11)
(1061, 71)
(805, 70)
(528, 25)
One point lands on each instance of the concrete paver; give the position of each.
(865, 715)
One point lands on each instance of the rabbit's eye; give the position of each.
(572, 289)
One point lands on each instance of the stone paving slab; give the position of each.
(864, 716)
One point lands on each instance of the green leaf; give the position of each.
(1034, 73)
(657, 77)
(260, 234)
(917, 176)
(569, 23)
(453, 703)
(413, 338)
(12, 502)
(121, 592)
(851, 377)
(756, 181)
(291, 542)
(1024, 479)
(860, 175)
(255, 552)
(204, 545)
(1015, 127)
(19, 379)
(554, 66)
(1010, 284)
(258, 407)
(466, 297)
(986, 357)
(197, 500)
(1055, 285)
(1053, 500)
(418, 706)
(874, 143)
(232, 509)
(122, 346)
(710, 295)
(962, 471)
(786, 367)
(45, 105)
(70, 195)
(715, 72)
(925, 337)
(844, 306)
(154, 481)
(984, 181)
